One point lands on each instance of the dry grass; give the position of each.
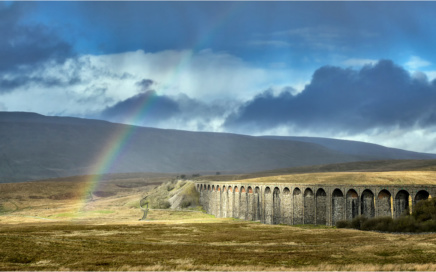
(222, 244)
(45, 233)
(358, 178)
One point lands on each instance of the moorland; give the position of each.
(56, 225)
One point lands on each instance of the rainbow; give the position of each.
(117, 142)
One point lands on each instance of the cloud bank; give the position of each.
(382, 96)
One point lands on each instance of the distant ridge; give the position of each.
(33, 146)
(375, 151)
(361, 166)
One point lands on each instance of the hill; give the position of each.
(376, 152)
(363, 166)
(34, 146)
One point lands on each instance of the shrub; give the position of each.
(378, 223)
(423, 219)
(164, 205)
(185, 203)
(358, 221)
(404, 224)
(425, 210)
(427, 226)
(343, 224)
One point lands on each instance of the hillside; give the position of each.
(362, 166)
(376, 152)
(34, 146)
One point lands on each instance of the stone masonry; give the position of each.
(295, 204)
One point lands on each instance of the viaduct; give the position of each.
(293, 204)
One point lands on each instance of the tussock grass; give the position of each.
(221, 244)
(41, 233)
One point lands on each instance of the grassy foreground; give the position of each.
(47, 226)
(215, 244)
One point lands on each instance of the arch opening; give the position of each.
(276, 206)
(321, 207)
(367, 203)
(243, 204)
(352, 204)
(384, 206)
(268, 199)
(309, 207)
(257, 210)
(421, 195)
(286, 200)
(402, 203)
(337, 206)
(298, 206)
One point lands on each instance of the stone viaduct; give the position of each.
(293, 204)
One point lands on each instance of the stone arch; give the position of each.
(224, 202)
(421, 195)
(338, 204)
(309, 207)
(321, 207)
(384, 206)
(208, 187)
(352, 204)
(236, 202)
(268, 206)
(286, 200)
(298, 206)
(402, 203)
(213, 188)
(257, 210)
(367, 203)
(218, 188)
(243, 204)
(277, 215)
(230, 202)
(250, 204)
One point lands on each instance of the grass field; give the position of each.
(194, 241)
(49, 226)
(360, 178)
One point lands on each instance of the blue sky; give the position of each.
(351, 70)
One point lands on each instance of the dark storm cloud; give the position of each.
(148, 107)
(145, 84)
(24, 46)
(375, 96)
(19, 80)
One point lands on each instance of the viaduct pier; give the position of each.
(293, 203)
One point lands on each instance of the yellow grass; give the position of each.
(48, 233)
(345, 178)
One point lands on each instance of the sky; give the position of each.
(361, 71)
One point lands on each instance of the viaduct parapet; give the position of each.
(294, 204)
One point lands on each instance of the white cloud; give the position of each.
(431, 75)
(107, 79)
(416, 62)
